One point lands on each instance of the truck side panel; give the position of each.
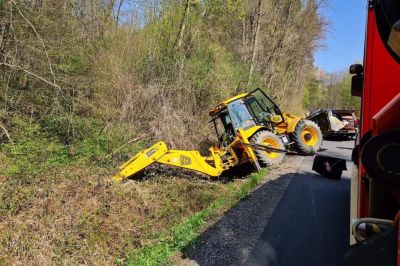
(381, 84)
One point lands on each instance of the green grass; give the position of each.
(185, 234)
(39, 148)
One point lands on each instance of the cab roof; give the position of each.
(222, 105)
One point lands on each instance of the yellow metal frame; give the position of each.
(248, 133)
(288, 127)
(290, 124)
(160, 153)
(212, 165)
(223, 104)
(250, 152)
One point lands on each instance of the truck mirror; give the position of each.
(356, 69)
(357, 84)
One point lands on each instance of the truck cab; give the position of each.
(375, 189)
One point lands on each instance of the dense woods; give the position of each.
(86, 83)
(78, 67)
(329, 90)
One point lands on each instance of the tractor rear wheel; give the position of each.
(270, 139)
(307, 137)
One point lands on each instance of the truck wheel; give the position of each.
(307, 137)
(272, 140)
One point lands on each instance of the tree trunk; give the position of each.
(4, 37)
(255, 42)
(181, 32)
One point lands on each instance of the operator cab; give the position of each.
(265, 111)
(243, 112)
(230, 119)
(224, 128)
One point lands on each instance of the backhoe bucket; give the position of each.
(141, 160)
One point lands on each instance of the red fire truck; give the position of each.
(376, 188)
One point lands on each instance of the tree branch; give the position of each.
(40, 38)
(129, 142)
(121, 2)
(32, 74)
(6, 132)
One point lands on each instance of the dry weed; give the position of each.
(91, 221)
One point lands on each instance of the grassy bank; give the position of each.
(59, 206)
(185, 234)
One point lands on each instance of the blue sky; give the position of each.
(344, 43)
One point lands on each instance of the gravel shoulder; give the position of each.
(231, 239)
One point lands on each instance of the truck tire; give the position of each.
(307, 137)
(270, 139)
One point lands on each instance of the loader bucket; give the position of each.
(141, 160)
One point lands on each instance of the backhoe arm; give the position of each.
(159, 153)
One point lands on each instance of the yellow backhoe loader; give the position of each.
(250, 128)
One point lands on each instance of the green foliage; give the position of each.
(312, 93)
(32, 153)
(74, 62)
(330, 90)
(72, 128)
(38, 149)
(200, 65)
(347, 100)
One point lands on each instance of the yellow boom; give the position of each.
(220, 159)
(159, 153)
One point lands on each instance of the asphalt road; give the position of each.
(296, 217)
(310, 225)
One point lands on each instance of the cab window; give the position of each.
(264, 109)
(240, 115)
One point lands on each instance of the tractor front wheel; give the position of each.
(270, 139)
(307, 137)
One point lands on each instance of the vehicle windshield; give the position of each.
(263, 108)
(240, 115)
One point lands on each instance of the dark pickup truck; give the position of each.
(335, 122)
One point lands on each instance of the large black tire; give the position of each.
(268, 138)
(307, 137)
